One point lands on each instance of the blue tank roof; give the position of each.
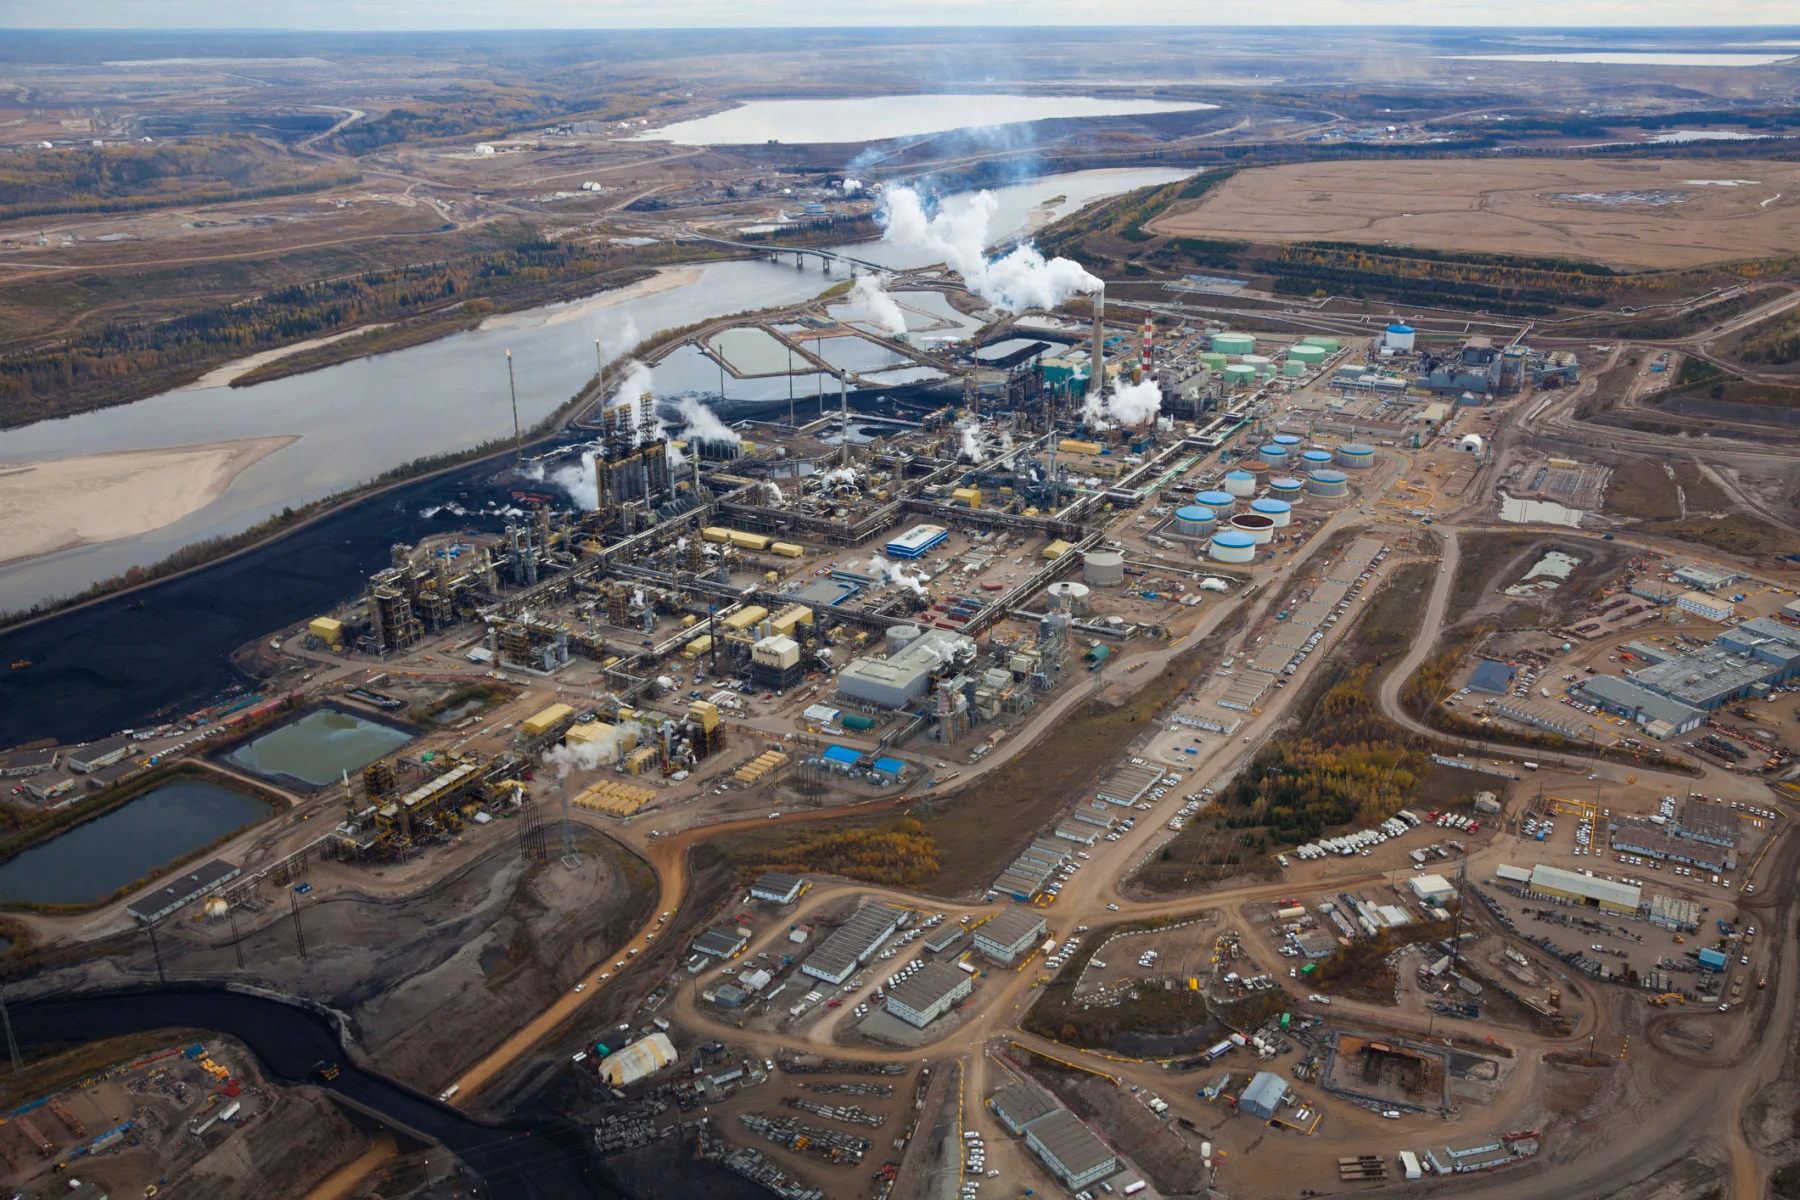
(1400, 329)
(1331, 477)
(1193, 512)
(1286, 439)
(1285, 483)
(1270, 506)
(1216, 499)
(1235, 538)
(1240, 475)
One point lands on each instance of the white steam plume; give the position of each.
(616, 339)
(852, 186)
(869, 301)
(895, 573)
(702, 423)
(971, 444)
(1021, 279)
(1129, 404)
(603, 751)
(1135, 403)
(838, 477)
(581, 481)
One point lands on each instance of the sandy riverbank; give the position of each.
(666, 279)
(220, 377)
(69, 502)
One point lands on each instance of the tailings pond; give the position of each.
(92, 861)
(317, 749)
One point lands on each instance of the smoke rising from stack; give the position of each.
(700, 423)
(895, 573)
(1129, 404)
(869, 301)
(1020, 279)
(971, 444)
(603, 751)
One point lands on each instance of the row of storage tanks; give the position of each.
(1302, 356)
(1221, 516)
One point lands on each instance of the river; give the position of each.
(361, 418)
(535, 1160)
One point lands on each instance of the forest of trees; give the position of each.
(898, 853)
(123, 178)
(1351, 765)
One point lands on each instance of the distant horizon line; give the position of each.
(689, 29)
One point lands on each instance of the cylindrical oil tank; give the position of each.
(1260, 528)
(1273, 454)
(1286, 488)
(1240, 483)
(1218, 501)
(1257, 468)
(1328, 483)
(1232, 546)
(1103, 568)
(1069, 596)
(1293, 369)
(1323, 341)
(1307, 354)
(1278, 511)
(1195, 521)
(1212, 360)
(899, 637)
(1238, 373)
(1356, 456)
(1233, 343)
(1263, 364)
(1289, 440)
(1399, 338)
(1315, 459)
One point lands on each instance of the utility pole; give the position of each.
(157, 951)
(518, 439)
(844, 418)
(237, 943)
(599, 375)
(294, 911)
(12, 1047)
(790, 351)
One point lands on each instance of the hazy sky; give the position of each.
(550, 14)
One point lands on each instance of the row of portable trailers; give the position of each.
(1352, 843)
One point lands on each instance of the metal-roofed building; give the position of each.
(720, 943)
(1631, 835)
(1697, 576)
(1129, 784)
(917, 540)
(1706, 679)
(1640, 704)
(1009, 933)
(932, 991)
(638, 1060)
(1495, 678)
(778, 887)
(950, 937)
(1263, 1095)
(1070, 1149)
(1584, 889)
(1019, 1104)
(203, 880)
(850, 945)
(1705, 821)
(906, 674)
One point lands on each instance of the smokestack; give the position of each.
(1147, 335)
(1097, 370)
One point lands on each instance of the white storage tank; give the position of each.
(1399, 339)
(1260, 528)
(1261, 363)
(899, 637)
(1219, 502)
(1328, 483)
(1240, 483)
(1069, 596)
(1232, 546)
(1103, 568)
(1278, 511)
(1356, 456)
(1195, 521)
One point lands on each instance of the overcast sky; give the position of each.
(633, 14)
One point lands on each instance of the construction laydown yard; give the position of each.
(1637, 213)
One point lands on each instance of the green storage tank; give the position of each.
(1212, 360)
(1320, 340)
(1233, 343)
(1312, 356)
(859, 722)
(1292, 369)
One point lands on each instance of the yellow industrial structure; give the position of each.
(328, 630)
(540, 723)
(614, 798)
(759, 766)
